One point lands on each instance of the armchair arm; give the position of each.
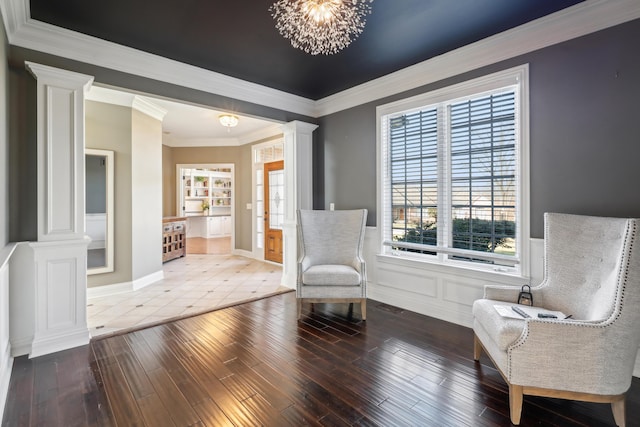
(581, 356)
(303, 264)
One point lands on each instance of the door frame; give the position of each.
(179, 189)
(279, 166)
(256, 251)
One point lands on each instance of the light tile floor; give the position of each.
(193, 284)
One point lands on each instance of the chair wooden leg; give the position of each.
(363, 308)
(477, 348)
(515, 403)
(618, 408)
(299, 303)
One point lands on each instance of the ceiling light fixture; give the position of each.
(228, 120)
(320, 26)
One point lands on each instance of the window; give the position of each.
(454, 181)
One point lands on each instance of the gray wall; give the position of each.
(109, 127)
(23, 190)
(4, 139)
(585, 142)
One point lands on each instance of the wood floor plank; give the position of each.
(131, 367)
(211, 414)
(172, 398)
(20, 394)
(154, 411)
(270, 392)
(122, 402)
(256, 365)
(97, 403)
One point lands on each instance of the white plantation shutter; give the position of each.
(451, 179)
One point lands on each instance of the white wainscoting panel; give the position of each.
(22, 299)
(460, 291)
(60, 296)
(419, 287)
(402, 279)
(6, 360)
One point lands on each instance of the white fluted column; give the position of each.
(298, 176)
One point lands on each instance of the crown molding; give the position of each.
(145, 106)
(576, 21)
(200, 142)
(126, 99)
(260, 134)
(249, 138)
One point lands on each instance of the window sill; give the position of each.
(506, 277)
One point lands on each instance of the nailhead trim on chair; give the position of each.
(629, 239)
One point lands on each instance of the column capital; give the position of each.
(59, 77)
(298, 127)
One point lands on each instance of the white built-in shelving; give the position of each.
(207, 192)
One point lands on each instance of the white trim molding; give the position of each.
(259, 135)
(119, 288)
(147, 107)
(584, 18)
(6, 360)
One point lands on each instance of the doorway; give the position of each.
(205, 197)
(273, 210)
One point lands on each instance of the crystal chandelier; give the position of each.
(320, 26)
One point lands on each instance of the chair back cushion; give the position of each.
(332, 237)
(583, 256)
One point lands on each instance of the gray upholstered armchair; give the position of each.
(330, 266)
(592, 272)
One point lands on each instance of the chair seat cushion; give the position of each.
(330, 274)
(504, 330)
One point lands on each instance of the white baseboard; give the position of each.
(107, 290)
(119, 288)
(5, 376)
(20, 347)
(52, 343)
(148, 280)
(244, 253)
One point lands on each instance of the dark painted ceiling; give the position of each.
(238, 37)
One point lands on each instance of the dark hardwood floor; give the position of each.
(254, 364)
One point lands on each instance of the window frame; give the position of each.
(516, 77)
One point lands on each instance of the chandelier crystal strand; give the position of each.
(320, 26)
